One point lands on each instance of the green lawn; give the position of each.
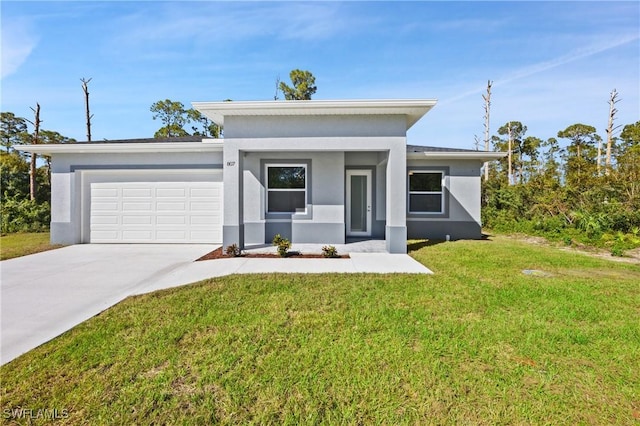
(479, 342)
(22, 244)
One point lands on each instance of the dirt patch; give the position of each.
(219, 254)
(630, 256)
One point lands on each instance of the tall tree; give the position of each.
(581, 154)
(487, 111)
(32, 165)
(628, 161)
(514, 130)
(303, 86)
(85, 89)
(611, 128)
(13, 130)
(173, 117)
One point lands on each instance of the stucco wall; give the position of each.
(462, 213)
(72, 175)
(314, 126)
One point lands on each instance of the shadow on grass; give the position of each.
(415, 245)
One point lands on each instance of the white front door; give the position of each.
(359, 203)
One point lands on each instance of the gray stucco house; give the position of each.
(312, 171)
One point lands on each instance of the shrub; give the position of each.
(283, 245)
(24, 216)
(329, 251)
(233, 250)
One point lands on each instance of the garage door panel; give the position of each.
(137, 192)
(170, 192)
(169, 207)
(156, 212)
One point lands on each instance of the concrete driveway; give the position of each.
(46, 294)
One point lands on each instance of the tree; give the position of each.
(85, 89)
(173, 117)
(13, 130)
(487, 110)
(628, 160)
(580, 163)
(303, 86)
(32, 167)
(611, 128)
(207, 127)
(514, 130)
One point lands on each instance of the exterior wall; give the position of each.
(461, 218)
(328, 158)
(324, 219)
(314, 126)
(72, 174)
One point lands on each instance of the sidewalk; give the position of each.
(364, 257)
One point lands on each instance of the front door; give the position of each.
(359, 203)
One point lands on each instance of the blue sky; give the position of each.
(553, 63)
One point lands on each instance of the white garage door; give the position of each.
(156, 212)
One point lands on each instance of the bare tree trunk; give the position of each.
(32, 165)
(599, 157)
(510, 149)
(613, 100)
(85, 89)
(487, 106)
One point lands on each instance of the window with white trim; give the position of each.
(426, 194)
(286, 186)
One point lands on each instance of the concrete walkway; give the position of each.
(46, 294)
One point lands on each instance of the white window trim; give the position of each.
(441, 192)
(267, 189)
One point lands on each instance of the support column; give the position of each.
(233, 217)
(396, 228)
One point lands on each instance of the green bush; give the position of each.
(24, 216)
(329, 251)
(283, 245)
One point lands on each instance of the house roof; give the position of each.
(433, 152)
(413, 109)
(190, 138)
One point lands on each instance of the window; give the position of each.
(425, 192)
(286, 188)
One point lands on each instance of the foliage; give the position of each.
(13, 130)
(330, 251)
(560, 194)
(304, 86)
(478, 342)
(233, 250)
(174, 117)
(24, 215)
(283, 245)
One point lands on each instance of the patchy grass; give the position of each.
(22, 244)
(479, 342)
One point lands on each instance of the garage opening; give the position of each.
(156, 212)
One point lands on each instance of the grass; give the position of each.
(22, 244)
(478, 342)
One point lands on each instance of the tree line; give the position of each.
(579, 193)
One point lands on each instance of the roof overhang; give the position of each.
(413, 109)
(471, 155)
(88, 147)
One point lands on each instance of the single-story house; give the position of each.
(313, 171)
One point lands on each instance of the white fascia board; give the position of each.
(413, 109)
(50, 149)
(479, 155)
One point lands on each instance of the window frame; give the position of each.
(442, 192)
(268, 190)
